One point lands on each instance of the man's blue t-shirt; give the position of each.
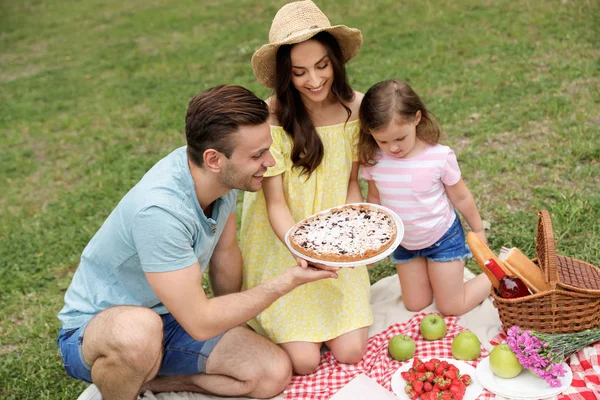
(157, 227)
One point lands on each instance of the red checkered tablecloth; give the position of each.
(377, 364)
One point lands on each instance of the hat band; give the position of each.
(287, 35)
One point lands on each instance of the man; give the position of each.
(136, 316)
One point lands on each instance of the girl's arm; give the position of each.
(461, 198)
(354, 195)
(373, 193)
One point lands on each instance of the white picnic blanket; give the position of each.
(388, 309)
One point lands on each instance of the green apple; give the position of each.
(466, 346)
(504, 362)
(401, 347)
(432, 327)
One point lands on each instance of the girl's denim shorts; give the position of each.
(182, 355)
(450, 247)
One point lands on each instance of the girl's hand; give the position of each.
(481, 235)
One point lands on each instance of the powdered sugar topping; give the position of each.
(346, 231)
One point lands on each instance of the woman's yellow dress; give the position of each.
(317, 311)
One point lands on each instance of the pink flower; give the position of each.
(534, 354)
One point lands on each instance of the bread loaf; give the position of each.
(524, 268)
(482, 253)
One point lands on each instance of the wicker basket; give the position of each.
(571, 304)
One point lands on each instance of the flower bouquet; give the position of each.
(544, 353)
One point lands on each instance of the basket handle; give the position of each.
(544, 248)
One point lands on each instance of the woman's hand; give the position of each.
(300, 276)
(305, 264)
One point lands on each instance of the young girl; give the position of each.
(410, 173)
(314, 126)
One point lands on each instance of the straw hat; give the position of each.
(294, 23)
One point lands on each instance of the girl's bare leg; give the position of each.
(417, 292)
(453, 296)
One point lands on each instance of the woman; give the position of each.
(314, 126)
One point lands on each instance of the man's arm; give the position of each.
(225, 268)
(203, 318)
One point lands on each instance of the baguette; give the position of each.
(482, 253)
(524, 268)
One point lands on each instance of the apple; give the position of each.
(466, 346)
(432, 327)
(504, 362)
(401, 347)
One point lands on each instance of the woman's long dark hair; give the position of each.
(307, 152)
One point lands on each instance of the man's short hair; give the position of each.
(215, 114)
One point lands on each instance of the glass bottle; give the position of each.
(509, 287)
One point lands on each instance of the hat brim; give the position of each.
(263, 60)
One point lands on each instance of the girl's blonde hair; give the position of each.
(385, 101)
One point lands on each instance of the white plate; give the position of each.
(473, 390)
(381, 256)
(523, 386)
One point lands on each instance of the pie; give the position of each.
(350, 233)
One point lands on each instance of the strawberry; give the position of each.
(408, 376)
(435, 361)
(410, 391)
(466, 379)
(444, 364)
(430, 366)
(429, 376)
(417, 386)
(439, 370)
(421, 368)
(457, 388)
(420, 376)
(450, 374)
(428, 396)
(427, 387)
(416, 362)
(444, 396)
(452, 367)
(442, 383)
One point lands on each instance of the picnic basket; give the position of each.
(571, 304)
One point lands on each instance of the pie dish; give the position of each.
(350, 234)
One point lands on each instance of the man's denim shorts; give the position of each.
(182, 355)
(450, 247)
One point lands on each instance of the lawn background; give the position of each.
(93, 93)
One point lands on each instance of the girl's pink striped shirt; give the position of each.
(414, 189)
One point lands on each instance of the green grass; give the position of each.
(94, 93)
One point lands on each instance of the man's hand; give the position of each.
(301, 275)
